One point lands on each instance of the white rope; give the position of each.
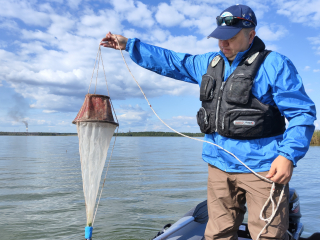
(274, 209)
(99, 57)
(105, 77)
(94, 67)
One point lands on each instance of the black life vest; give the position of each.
(230, 108)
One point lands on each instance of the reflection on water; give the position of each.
(151, 182)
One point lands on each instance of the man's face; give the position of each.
(238, 43)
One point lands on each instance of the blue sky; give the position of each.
(48, 48)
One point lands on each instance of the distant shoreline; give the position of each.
(36, 134)
(128, 134)
(315, 141)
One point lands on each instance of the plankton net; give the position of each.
(95, 127)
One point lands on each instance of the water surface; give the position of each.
(151, 181)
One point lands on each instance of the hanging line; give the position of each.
(97, 61)
(94, 67)
(270, 199)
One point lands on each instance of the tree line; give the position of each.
(315, 141)
(157, 134)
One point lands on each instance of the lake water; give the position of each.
(151, 181)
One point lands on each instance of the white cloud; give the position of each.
(159, 35)
(315, 42)
(9, 24)
(168, 16)
(186, 120)
(41, 122)
(306, 68)
(49, 111)
(63, 123)
(198, 17)
(140, 16)
(24, 11)
(191, 44)
(133, 116)
(272, 47)
(57, 47)
(271, 32)
(306, 12)
(178, 123)
(74, 3)
(94, 25)
(134, 12)
(60, 25)
(316, 70)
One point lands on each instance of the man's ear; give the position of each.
(252, 34)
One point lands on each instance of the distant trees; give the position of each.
(36, 134)
(157, 134)
(315, 140)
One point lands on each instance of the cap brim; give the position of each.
(224, 32)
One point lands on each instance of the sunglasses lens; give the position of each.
(229, 21)
(219, 20)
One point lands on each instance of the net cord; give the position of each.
(270, 199)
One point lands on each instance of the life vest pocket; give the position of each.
(238, 90)
(207, 87)
(206, 121)
(243, 123)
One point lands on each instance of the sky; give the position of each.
(48, 50)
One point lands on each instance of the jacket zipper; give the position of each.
(238, 110)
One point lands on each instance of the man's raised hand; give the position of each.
(110, 41)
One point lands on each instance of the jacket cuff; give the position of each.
(130, 43)
(287, 156)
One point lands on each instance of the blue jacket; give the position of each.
(277, 82)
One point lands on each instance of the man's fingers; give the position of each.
(111, 41)
(280, 178)
(276, 179)
(107, 44)
(271, 172)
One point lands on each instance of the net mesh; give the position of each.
(94, 141)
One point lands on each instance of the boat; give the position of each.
(192, 225)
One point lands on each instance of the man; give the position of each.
(245, 92)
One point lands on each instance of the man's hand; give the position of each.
(281, 170)
(110, 41)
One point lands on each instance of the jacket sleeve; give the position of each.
(180, 66)
(293, 102)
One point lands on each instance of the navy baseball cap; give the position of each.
(224, 32)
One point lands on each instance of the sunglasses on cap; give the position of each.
(231, 20)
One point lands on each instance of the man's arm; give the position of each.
(293, 102)
(180, 66)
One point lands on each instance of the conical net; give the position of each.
(94, 141)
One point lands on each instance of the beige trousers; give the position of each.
(227, 195)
